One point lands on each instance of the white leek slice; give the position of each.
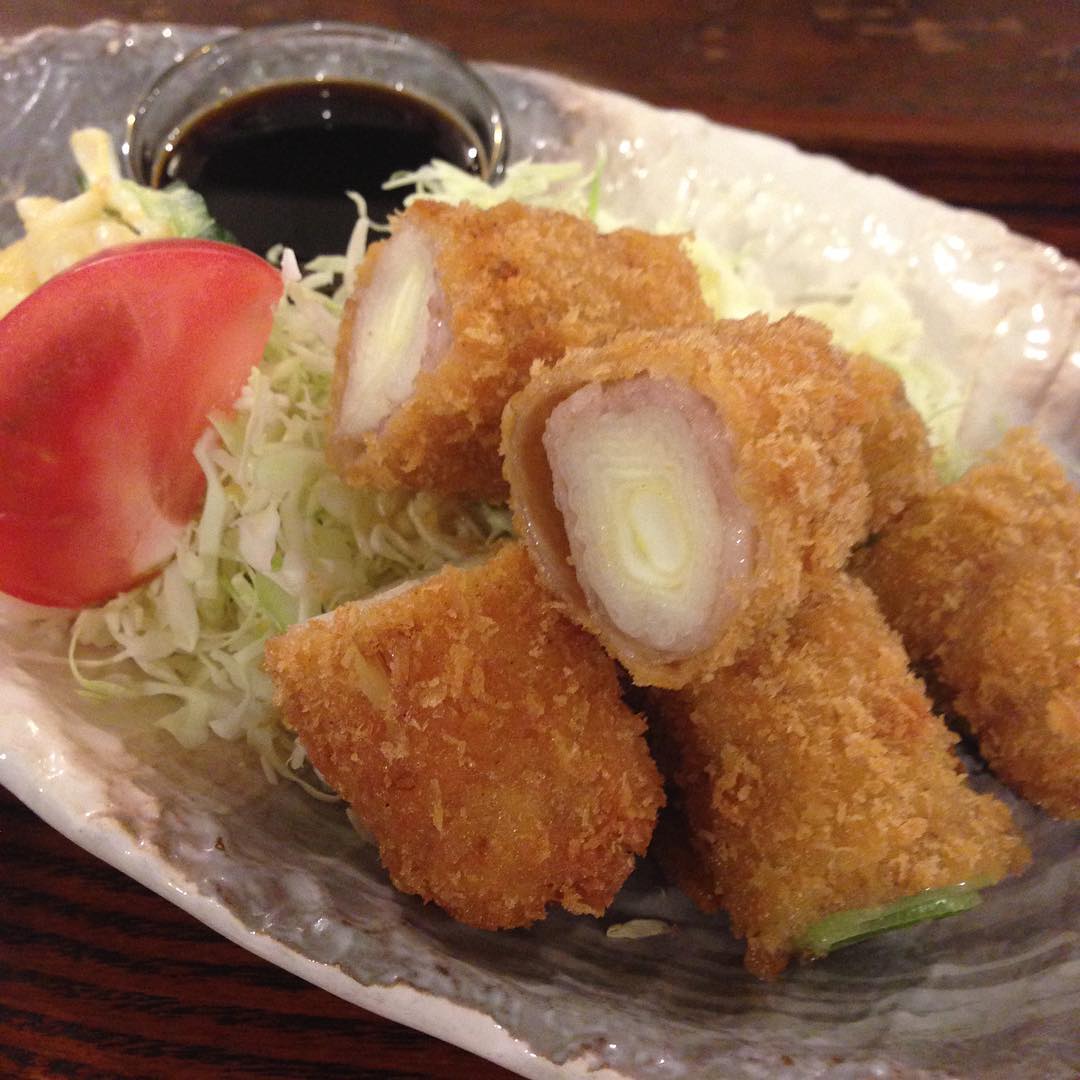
(391, 334)
(656, 533)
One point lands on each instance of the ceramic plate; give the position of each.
(991, 994)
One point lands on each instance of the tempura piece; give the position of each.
(982, 578)
(817, 798)
(449, 313)
(481, 738)
(897, 456)
(677, 490)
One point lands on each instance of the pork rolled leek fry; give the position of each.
(982, 579)
(481, 738)
(677, 490)
(815, 796)
(449, 313)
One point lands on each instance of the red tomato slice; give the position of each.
(108, 373)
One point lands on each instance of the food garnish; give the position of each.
(108, 373)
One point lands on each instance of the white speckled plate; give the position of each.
(992, 994)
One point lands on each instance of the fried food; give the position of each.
(481, 737)
(982, 578)
(678, 489)
(897, 456)
(1014, 658)
(450, 312)
(812, 778)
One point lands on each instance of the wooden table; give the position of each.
(976, 104)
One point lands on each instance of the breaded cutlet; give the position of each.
(480, 737)
(812, 778)
(982, 579)
(513, 285)
(776, 397)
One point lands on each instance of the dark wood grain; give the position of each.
(101, 978)
(976, 104)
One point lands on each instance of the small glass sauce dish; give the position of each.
(273, 125)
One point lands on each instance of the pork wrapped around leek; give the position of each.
(982, 579)
(480, 736)
(815, 795)
(449, 313)
(679, 489)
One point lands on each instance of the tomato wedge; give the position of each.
(108, 373)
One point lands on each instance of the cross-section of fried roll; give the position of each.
(897, 455)
(982, 578)
(449, 313)
(816, 797)
(677, 490)
(481, 737)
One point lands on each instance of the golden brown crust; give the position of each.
(982, 578)
(896, 449)
(522, 284)
(812, 778)
(502, 772)
(1013, 657)
(785, 397)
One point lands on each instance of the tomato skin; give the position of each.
(108, 373)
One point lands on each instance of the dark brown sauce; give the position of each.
(273, 165)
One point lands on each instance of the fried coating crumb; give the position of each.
(480, 737)
(1013, 656)
(897, 456)
(812, 777)
(791, 416)
(982, 578)
(520, 284)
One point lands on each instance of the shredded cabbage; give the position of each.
(280, 538)
(554, 185)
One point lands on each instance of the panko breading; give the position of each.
(982, 578)
(897, 456)
(506, 287)
(812, 777)
(481, 737)
(1013, 656)
(784, 469)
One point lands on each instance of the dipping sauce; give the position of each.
(274, 164)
